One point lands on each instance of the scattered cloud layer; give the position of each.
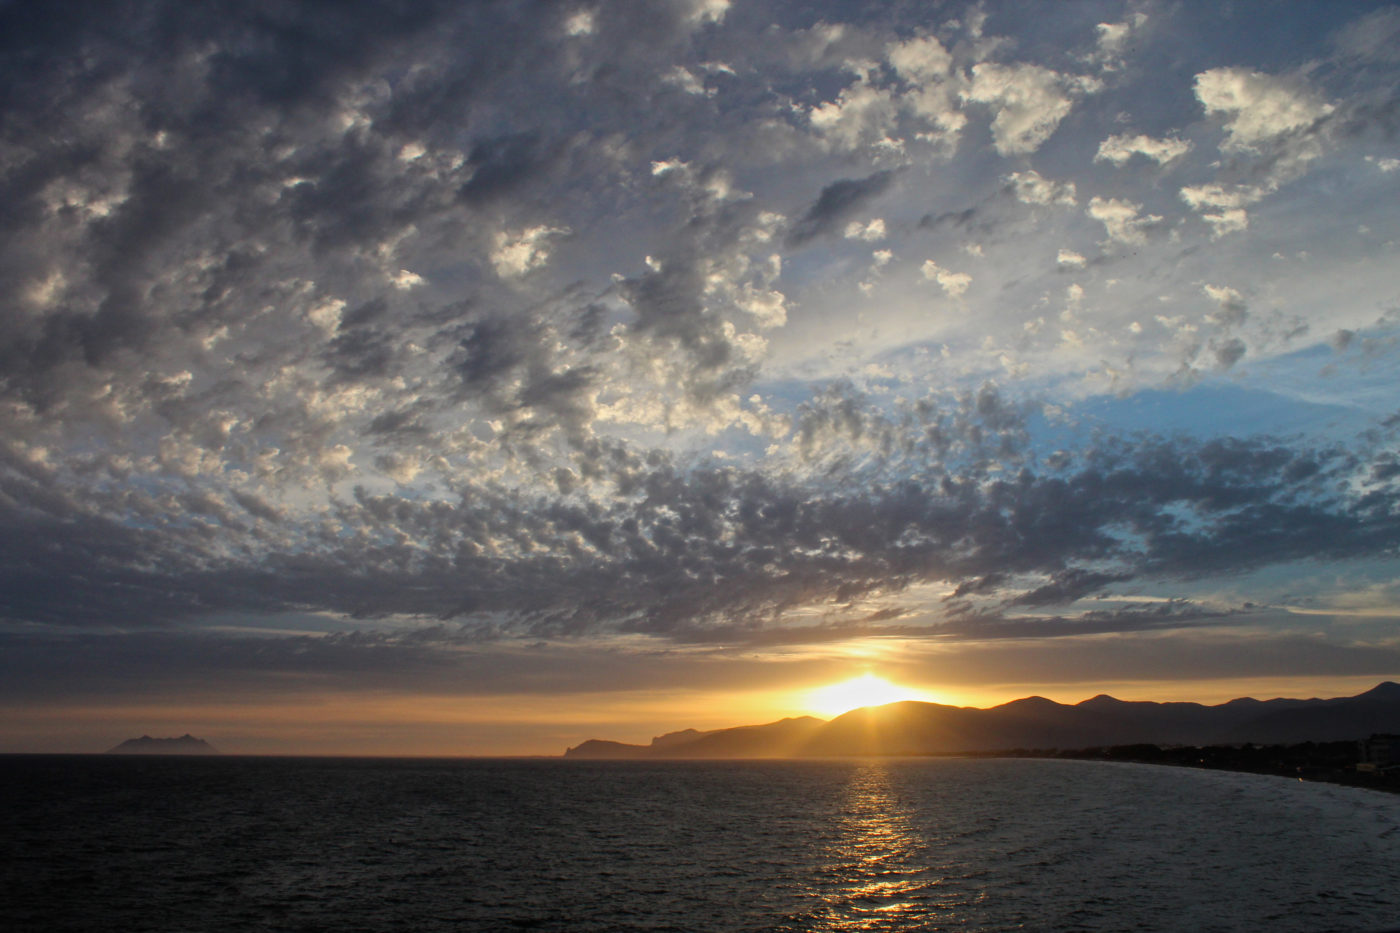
(365, 341)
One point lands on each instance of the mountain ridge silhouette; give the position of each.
(912, 727)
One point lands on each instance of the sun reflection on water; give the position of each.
(877, 875)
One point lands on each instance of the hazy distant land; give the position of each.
(145, 745)
(1033, 723)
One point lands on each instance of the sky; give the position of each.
(478, 378)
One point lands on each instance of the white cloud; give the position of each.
(1119, 149)
(580, 24)
(326, 314)
(519, 253)
(707, 11)
(1230, 302)
(1031, 188)
(334, 462)
(954, 284)
(667, 166)
(862, 113)
(1234, 220)
(1385, 165)
(767, 305)
(44, 291)
(1068, 259)
(870, 111)
(1112, 36)
(1112, 42)
(1259, 107)
(1223, 207)
(871, 232)
(681, 77)
(1122, 219)
(927, 67)
(920, 60)
(1203, 197)
(1223, 295)
(1030, 101)
(404, 279)
(878, 260)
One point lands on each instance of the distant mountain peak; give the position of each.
(676, 738)
(1032, 702)
(183, 745)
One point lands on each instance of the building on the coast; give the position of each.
(1379, 753)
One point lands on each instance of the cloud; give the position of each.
(884, 115)
(1119, 149)
(1372, 37)
(518, 253)
(1122, 219)
(954, 284)
(837, 202)
(1228, 215)
(679, 548)
(1030, 188)
(682, 78)
(1068, 586)
(920, 59)
(1029, 101)
(707, 11)
(1227, 351)
(1112, 37)
(580, 23)
(475, 326)
(931, 99)
(1233, 308)
(1113, 42)
(1068, 259)
(1259, 108)
(871, 232)
(863, 113)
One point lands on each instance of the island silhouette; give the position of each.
(183, 745)
(918, 728)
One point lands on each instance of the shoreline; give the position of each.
(1317, 762)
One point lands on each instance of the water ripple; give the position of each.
(89, 844)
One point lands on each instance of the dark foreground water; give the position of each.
(129, 844)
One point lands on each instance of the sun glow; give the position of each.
(865, 690)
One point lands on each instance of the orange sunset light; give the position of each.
(866, 690)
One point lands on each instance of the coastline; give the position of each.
(1320, 762)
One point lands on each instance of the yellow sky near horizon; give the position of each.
(402, 724)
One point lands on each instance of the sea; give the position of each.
(96, 843)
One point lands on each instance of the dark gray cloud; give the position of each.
(678, 548)
(838, 202)
(1066, 586)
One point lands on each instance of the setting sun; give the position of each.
(865, 690)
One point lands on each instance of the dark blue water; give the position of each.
(132, 844)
